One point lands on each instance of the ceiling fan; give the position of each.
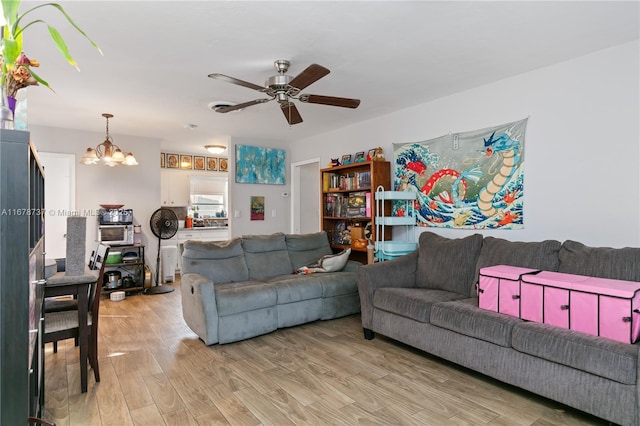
(285, 89)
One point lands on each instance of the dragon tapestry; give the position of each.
(470, 180)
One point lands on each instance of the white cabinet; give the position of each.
(174, 186)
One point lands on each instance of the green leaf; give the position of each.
(10, 11)
(39, 79)
(10, 52)
(61, 45)
(61, 10)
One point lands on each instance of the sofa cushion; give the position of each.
(266, 255)
(447, 264)
(233, 298)
(338, 283)
(602, 262)
(464, 317)
(414, 303)
(294, 288)
(220, 261)
(596, 355)
(305, 249)
(542, 255)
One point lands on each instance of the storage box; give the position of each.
(597, 306)
(499, 288)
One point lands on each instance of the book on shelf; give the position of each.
(335, 205)
(346, 182)
(339, 232)
(357, 204)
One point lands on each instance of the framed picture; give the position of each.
(162, 160)
(223, 164)
(256, 164)
(359, 157)
(212, 164)
(186, 162)
(198, 162)
(346, 159)
(173, 161)
(257, 207)
(370, 154)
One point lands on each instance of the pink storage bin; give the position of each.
(597, 306)
(619, 314)
(499, 288)
(546, 297)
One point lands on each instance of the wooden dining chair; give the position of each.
(62, 325)
(55, 304)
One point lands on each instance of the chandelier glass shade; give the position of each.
(215, 149)
(110, 153)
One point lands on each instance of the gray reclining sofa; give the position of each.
(245, 287)
(427, 299)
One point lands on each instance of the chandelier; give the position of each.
(108, 152)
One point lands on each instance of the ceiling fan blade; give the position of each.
(291, 113)
(241, 106)
(233, 80)
(311, 74)
(330, 100)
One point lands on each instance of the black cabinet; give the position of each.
(21, 279)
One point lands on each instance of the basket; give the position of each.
(117, 296)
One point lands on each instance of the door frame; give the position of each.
(295, 190)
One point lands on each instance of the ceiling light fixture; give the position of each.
(216, 149)
(108, 152)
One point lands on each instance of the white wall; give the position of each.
(137, 187)
(240, 196)
(582, 178)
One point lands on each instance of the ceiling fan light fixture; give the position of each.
(215, 149)
(108, 152)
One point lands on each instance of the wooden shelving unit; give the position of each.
(21, 279)
(348, 205)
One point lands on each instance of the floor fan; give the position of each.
(164, 225)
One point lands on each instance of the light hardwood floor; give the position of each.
(155, 371)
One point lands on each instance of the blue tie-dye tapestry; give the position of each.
(470, 180)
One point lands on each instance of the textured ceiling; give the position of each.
(391, 55)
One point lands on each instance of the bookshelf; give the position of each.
(348, 205)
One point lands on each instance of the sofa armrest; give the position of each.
(199, 308)
(400, 272)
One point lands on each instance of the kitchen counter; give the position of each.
(196, 228)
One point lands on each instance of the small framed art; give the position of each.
(359, 157)
(173, 161)
(162, 163)
(346, 159)
(186, 162)
(371, 154)
(212, 164)
(198, 162)
(223, 164)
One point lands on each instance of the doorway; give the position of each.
(305, 196)
(59, 200)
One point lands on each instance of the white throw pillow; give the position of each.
(331, 262)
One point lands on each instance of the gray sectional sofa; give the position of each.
(245, 287)
(427, 299)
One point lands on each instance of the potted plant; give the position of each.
(16, 70)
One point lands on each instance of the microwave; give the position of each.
(115, 234)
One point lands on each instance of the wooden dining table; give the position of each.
(77, 286)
